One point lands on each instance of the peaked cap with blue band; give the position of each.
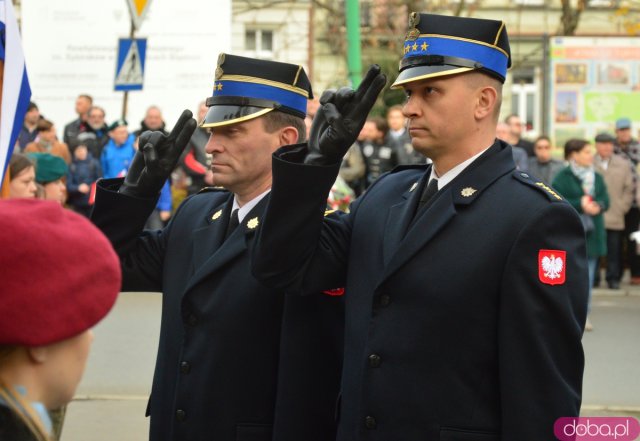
(438, 45)
(246, 88)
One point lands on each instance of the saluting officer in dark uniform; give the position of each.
(466, 280)
(236, 360)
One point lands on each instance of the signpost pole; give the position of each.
(126, 92)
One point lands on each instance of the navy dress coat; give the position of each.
(237, 361)
(457, 329)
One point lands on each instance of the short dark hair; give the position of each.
(542, 138)
(86, 97)
(43, 125)
(510, 116)
(276, 119)
(574, 145)
(393, 108)
(381, 124)
(18, 163)
(32, 106)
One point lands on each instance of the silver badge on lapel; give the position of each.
(253, 223)
(216, 215)
(468, 192)
(413, 187)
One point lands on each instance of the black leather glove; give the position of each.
(156, 158)
(340, 118)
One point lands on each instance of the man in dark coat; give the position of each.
(466, 280)
(236, 360)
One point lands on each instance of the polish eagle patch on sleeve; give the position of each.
(552, 266)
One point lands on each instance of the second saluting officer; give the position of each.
(236, 360)
(466, 280)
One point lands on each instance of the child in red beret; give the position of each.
(47, 315)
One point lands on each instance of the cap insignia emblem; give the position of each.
(413, 34)
(216, 215)
(414, 19)
(468, 192)
(253, 223)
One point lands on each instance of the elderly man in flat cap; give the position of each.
(465, 280)
(47, 315)
(237, 361)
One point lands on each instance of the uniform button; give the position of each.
(370, 422)
(185, 367)
(385, 300)
(192, 320)
(524, 175)
(374, 360)
(180, 415)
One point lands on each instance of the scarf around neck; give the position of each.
(587, 176)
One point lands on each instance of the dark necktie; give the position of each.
(428, 193)
(233, 223)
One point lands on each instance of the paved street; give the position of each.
(112, 397)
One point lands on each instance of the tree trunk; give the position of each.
(571, 16)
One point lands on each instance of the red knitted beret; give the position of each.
(59, 274)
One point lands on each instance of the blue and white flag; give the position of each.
(16, 92)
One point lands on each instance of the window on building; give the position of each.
(259, 43)
(530, 2)
(603, 3)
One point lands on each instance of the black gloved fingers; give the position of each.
(333, 142)
(151, 152)
(331, 113)
(368, 91)
(184, 135)
(180, 125)
(135, 169)
(144, 138)
(327, 96)
(343, 97)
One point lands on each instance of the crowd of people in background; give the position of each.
(601, 185)
(66, 171)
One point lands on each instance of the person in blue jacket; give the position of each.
(118, 153)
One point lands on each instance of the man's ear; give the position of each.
(38, 354)
(288, 135)
(487, 99)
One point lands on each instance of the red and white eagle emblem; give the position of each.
(552, 266)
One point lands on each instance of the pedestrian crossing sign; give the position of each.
(130, 67)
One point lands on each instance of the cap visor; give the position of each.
(224, 115)
(419, 73)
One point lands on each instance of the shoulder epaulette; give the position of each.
(210, 189)
(532, 181)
